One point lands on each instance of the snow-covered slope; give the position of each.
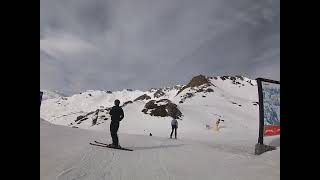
(201, 102)
(51, 95)
(66, 154)
(199, 153)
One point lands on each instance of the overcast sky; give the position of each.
(139, 44)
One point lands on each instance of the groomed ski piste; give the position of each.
(200, 152)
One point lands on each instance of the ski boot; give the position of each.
(111, 146)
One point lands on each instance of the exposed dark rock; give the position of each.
(82, 120)
(79, 118)
(158, 93)
(94, 121)
(240, 77)
(84, 117)
(142, 97)
(224, 77)
(144, 111)
(167, 109)
(164, 100)
(126, 103)
(209, 90)
(152, 90)
(173, 110)
(150, 105)
(250, 83)
(186, 96)
(189, 95)
(200, 90)
(195, 82)
(232, 78)
(159, 111)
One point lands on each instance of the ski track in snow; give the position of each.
(163, 166)
(101, 163)
(91, 162)
(159, 161)
(110, 165)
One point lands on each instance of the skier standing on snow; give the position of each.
(117, 115)
(174, 125)
(217, 124)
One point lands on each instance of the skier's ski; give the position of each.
(101, 145)
(109, 144)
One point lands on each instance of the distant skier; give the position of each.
(174, 125)
(117, 115)
(217, 124)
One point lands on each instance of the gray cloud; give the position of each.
(139, 44)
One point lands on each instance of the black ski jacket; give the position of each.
(116, 114)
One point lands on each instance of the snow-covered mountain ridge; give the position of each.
(198, 104)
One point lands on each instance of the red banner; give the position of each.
(271, 130)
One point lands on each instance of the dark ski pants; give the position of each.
(114, 126)
(174, 128)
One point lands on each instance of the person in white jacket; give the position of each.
(217, 127)
(174, 125)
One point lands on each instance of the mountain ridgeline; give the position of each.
(91, 108)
